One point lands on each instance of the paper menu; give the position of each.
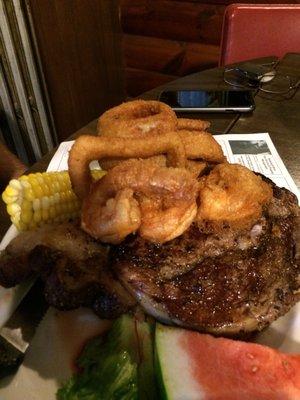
(257, 152)
(59, 161)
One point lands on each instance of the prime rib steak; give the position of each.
(229, 284)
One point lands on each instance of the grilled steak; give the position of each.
(72, 265)
(65, 238)
(228, 284)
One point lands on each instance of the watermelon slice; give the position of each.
(194, 366)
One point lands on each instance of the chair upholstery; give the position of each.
(259, 30)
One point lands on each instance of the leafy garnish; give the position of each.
(105, 375)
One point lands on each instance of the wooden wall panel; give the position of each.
(80, 49)
(168, 56)
(140, 80)
(150, 53)
(176, 20)
(165, 39)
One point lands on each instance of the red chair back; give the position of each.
(259, 30)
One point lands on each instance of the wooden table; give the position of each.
(276, 115)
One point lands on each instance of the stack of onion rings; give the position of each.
(88, 148)
(140, 118)
(137, 118)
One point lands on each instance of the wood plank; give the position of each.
(154, 54)
(140, 81)
(198, 57)
(80, 50)
(168, 56)
(177, 20)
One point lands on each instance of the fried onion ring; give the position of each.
(140, 118)
(198, 145)
(137, 195)
(192, 124)
(109, 163)
(201, 145)
(233, 196)
(88, 148)
(197, 168)
(137, 118)
(194, 166)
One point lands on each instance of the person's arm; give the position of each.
(10, 166)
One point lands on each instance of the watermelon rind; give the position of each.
(146, 377)
(172, 366)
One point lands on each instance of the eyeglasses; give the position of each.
(265, 79)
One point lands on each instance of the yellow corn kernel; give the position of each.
(29, 194)
(37, 216)
(52, 212)
(37, 189)
(35, 199)
(26, 205)
(7, 198)
(13, 209)
(11, 191)
(26, 216)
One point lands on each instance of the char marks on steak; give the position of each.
(73, 266)
(228, 284)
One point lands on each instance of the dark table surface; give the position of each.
(277, 115)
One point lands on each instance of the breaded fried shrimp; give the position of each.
(115, 219)
(158, 202)
(232, 195)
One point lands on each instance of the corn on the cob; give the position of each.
(40, 198)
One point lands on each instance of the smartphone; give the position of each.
(208, 100)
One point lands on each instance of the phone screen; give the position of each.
(202, 99)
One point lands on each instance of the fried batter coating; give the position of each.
(194, 166)
(197, 168)
(201, 145)
(192, 124)
(137, 118)
(231, 195)
(88, 148)
(138, 196)
(109, 163)
(198, 145)
(111, 220)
